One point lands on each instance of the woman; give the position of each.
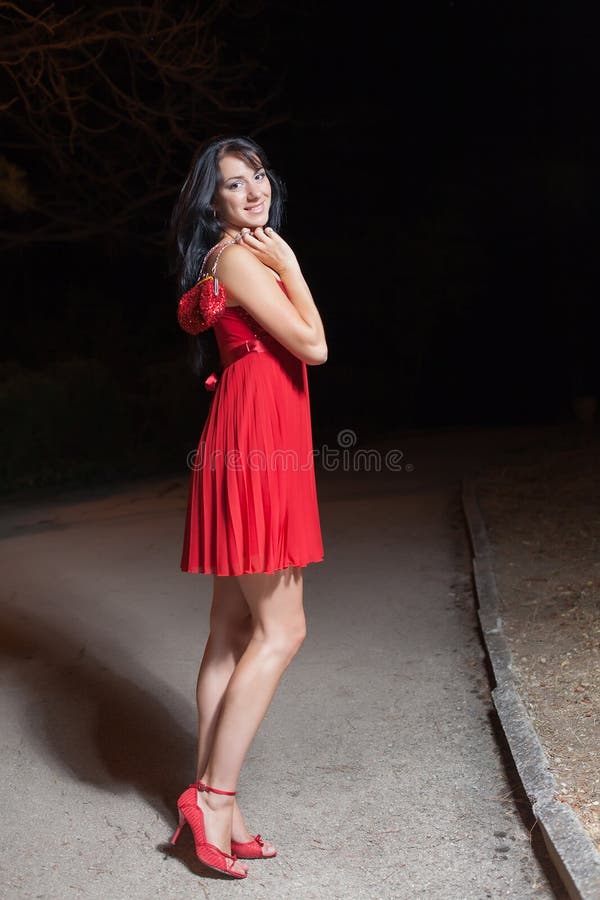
(252, 518)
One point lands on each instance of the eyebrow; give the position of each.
(241, 177)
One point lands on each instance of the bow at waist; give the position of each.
(231, 355)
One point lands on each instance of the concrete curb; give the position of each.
(569, 845)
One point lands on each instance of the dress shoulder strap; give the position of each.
(221, 245)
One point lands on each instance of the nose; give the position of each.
(253, 192)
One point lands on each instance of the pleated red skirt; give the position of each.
(252, 502)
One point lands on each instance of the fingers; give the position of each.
(260, 234)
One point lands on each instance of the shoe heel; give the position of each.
(182, 821)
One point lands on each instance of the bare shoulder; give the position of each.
(218, 255)
(245, 278)
(234, 257)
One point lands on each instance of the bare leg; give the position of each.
(278, 629)
(230, 632)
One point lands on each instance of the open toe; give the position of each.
(253, 849)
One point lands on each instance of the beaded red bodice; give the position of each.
(236, 331)
(204, 310)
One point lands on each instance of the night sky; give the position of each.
(454, 153)
(441, 166)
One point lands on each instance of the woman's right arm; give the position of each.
(244, 272)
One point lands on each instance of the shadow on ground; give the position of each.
(97, 723)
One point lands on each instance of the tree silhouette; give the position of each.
(101, 108)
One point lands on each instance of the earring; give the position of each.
(214, 213)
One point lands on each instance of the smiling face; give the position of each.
(243, 198)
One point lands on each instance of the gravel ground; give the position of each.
(542, 512)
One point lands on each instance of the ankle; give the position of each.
(216, 803)
(215, 798)
(211, 784)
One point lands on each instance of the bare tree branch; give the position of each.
(102, 107)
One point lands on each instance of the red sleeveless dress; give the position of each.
(252, 501)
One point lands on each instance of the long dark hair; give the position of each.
(194, 228)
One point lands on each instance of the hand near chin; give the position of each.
(269, 247)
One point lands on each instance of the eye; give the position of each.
(234, 185)
(260, 175)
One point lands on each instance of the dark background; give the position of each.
(441, 164)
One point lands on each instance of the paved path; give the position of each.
(379, 769)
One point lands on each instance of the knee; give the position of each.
(297, 635)
(285, 641)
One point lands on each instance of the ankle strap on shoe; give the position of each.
(200, 786)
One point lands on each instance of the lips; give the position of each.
(259, 208)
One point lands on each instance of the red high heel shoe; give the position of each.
(251, 849)
(208, 854)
